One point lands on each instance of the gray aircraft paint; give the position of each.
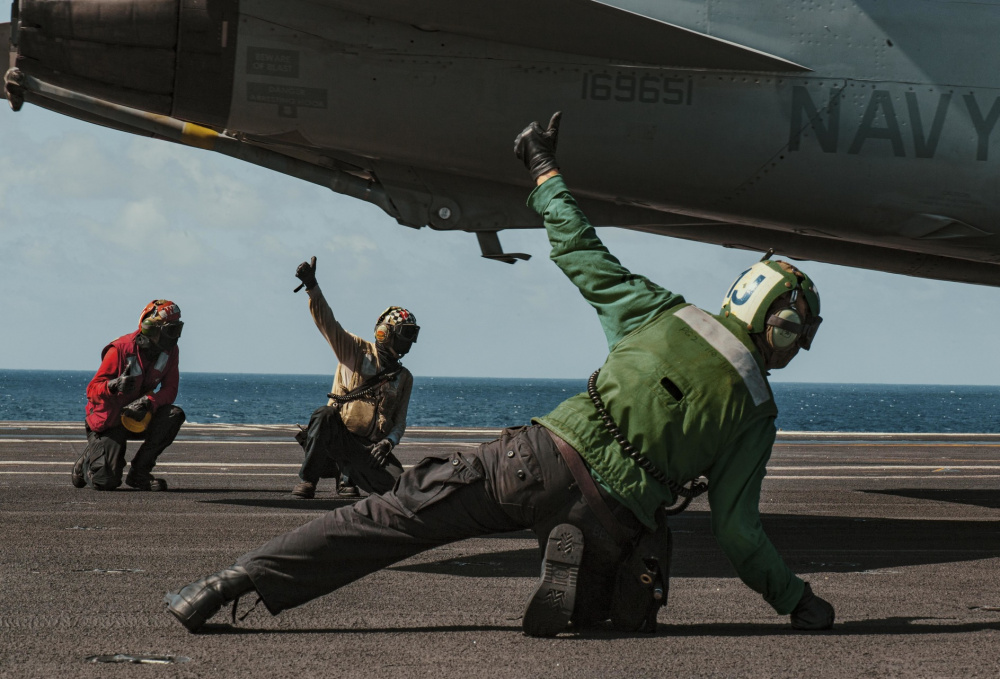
(881, 154)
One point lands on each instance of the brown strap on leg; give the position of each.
(591, 494)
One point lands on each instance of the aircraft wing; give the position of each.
(581, 27)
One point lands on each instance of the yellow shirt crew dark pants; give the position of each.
(332, 450)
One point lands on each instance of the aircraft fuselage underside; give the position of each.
(876, 160)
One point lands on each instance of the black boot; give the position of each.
(145, 481)
(346, 487)
(202, 599)
(305, 490)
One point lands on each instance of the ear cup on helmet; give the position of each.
(383, 333)
(781, 338)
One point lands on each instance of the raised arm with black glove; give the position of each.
(536, 147)
(306, 272)
(812, 612)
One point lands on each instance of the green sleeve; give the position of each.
(624, 301)
(734, 497)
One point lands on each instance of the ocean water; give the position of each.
(495, 402)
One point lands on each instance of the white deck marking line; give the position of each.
(227, 442)
(452, 442)
(237, 442)
(291, 474)
(784, 436)
(832, 477)
(882, 444)
(211, 426)
(287, 475)
(173, 464)
(883, 467)
(172, 473)
(940, 468)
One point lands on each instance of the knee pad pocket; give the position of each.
(434, 479)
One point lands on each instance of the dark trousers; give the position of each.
(104, 456)
(332, 450)
(518, 481)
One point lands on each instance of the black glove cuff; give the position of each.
(541, 164)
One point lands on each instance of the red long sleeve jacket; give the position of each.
(104, 408)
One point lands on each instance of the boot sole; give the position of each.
(551, 604)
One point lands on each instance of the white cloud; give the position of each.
(138, 224)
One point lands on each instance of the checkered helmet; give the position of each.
(396, 322)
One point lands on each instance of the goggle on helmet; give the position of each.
(755, 290)
(396, 322)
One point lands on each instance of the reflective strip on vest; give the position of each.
(731, 349)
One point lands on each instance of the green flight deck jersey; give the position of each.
(687, 388)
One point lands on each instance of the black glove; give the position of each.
(536, 147)
(379, 453)
(123, 384)
(307, 273)
(812, 613)
(137, 409)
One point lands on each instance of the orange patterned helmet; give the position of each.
(161, 317)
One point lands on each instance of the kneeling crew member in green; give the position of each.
(687, 387)
(351, 438)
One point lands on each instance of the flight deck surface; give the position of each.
(900, 532)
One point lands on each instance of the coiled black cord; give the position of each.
(695, 487)
(362, 392)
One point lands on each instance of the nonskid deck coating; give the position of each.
(901, 534)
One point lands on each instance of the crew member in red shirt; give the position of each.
(132, 397)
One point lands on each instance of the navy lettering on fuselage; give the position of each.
(926, 146)
(879, 108)
(984, 126)
(826, 128)
(881, 125)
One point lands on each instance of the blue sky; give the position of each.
(96, 223)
